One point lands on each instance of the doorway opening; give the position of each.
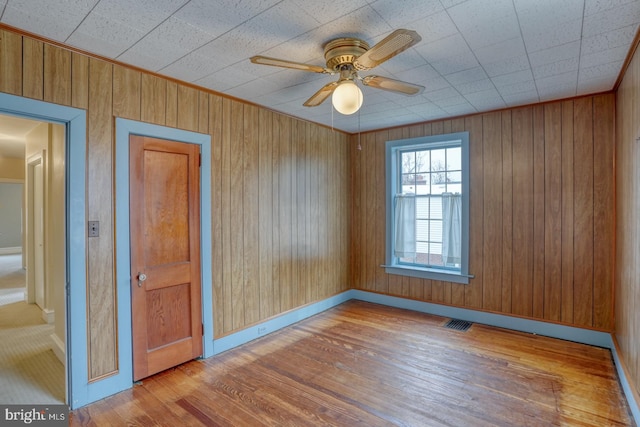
(33, 325)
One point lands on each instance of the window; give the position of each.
(428, 207)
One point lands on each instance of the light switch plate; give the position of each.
(94, 228)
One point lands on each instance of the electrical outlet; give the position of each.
(94, 228)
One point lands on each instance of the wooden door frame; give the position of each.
(124, 128)
(32, 161)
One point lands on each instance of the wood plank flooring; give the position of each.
(361, 364)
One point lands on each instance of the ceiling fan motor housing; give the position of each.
(343, 51)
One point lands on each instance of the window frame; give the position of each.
(393, 149)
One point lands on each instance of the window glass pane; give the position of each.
(454, 188)
(435, 211)
(422, 187)
(454, 177)
(454, 158)
(435, 231)
(438, 188)
(422, 207)
(422, 230)
(438, 160)
(422, 161)
(408, 162)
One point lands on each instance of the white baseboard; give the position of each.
(48, 315)
(11, 250)
(58, 348)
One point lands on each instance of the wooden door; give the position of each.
(165, 254)
(38, 235)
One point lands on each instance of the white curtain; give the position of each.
(451, 228)
(405, 226)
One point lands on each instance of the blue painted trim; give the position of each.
(256, 331)
(634, 405)
(75, 122)
(569, 333)
(124, 377)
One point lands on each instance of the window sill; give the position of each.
(428, 273)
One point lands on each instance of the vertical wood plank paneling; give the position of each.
(603, 191)
(369, 233)
(57, 75)
(217, 252)
(315, 233)
(11, 62)
(553, 175)
(538, 211)
(302, 243)
(293, 225)
(226, 213)
(153, 100)
(381, 281)
(250, 209)
(492, 214)
(583, 212)
(277, 227)
(473, 291)
(567, 211)
(266, 238)
(507, 212)
(32, 68)
(171, 115)
(188, 103)
(79, 81)
(236, 253)
(522, 291)
(285, 213)
(100, 263)
(355, 211)
(203, 112)
(126, 93)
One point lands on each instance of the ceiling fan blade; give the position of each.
(392, 85)
(390, 46)
(319, 97)
(265, 60)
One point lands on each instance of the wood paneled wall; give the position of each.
(627, 279)
(541, 213)
(279, 187)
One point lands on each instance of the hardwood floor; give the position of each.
(370, 365)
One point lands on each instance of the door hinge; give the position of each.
(199, 159)
(202, 329)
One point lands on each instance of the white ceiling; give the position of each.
(13, 131)
(475, 55)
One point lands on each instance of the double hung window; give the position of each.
(428, 207)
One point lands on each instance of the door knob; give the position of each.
(141, 278)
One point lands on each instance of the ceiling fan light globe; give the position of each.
(347, 97)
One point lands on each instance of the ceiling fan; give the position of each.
(346, 56)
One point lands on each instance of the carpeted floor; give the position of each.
(30, 373)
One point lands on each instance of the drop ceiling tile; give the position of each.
(593, 7)
(521, 98)
(611, 55)
(143, 15)
(363, 23)
(540, 38)
(507, 66)
(481, 25)
(609, 69)
(567, 80)
(220, 16)
(451, 101)
(611, 19)
(555, 54)
(54, 19)
(621, 37)
(557, 92)
(252, 88)
(167, 43)
(513, 78)
(448, 55)
(528, 86)
(500, 51)
(595, 85)
(476, 86)
(440, 94)
(193, 66)
(434, 27)
(405, 16)
(104, 36)
(325, 12)
(555, 68)
(460, 109)
(466, 76)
